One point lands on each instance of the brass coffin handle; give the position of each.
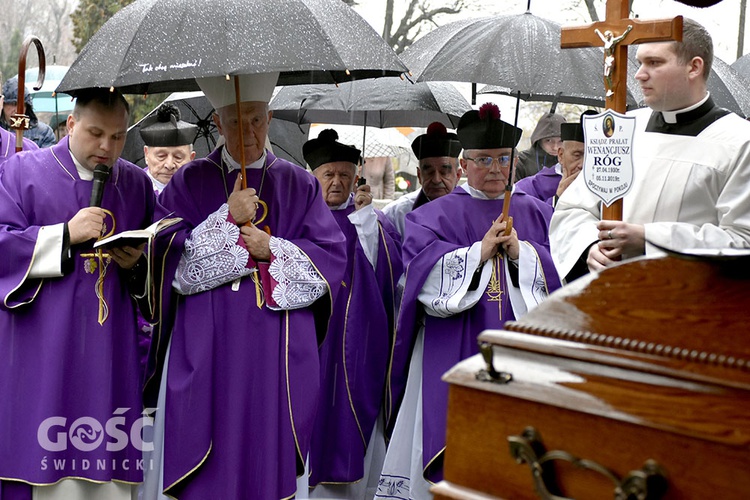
(647, 483)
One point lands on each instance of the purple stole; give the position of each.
(62, 374)
(454, 221)
(360, 333)
(243, 381)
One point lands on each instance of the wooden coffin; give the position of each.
(633, 383)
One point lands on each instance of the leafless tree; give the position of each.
(48, 20)
(420, 15)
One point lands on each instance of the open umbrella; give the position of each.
(46, 100)
(375, 142)
(154, 46)
(742, 66)
(727, 86)
(285, 137)
(381, 102)
(518, 52)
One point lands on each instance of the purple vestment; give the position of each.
(243, 380)
(448, 223)
(542, 185)
(360, 333)
(8, 144)
(69, 386)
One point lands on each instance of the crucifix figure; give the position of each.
(610, 42)
(615, 33)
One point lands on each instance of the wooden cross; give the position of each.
(615, 33)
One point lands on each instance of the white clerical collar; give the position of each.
(158, 186)
(558, 168)
(345, 204)
(235, 165)
(475, 193)
(84, 173)
(671, 116)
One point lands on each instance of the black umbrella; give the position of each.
(742, 66)
(381, 102)
(154, 46)
(285, 137)
(520, 53)
(728, 88)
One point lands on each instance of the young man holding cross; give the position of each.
(691, 166)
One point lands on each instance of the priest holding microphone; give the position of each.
(69, 373)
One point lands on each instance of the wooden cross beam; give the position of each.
(615, 33)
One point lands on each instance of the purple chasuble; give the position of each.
(451, 222)
(243, 381)
(70, 387)
(542, 185)
(8, 146)
(354, 356)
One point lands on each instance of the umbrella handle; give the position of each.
(506, 216)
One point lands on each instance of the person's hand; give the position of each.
(86, 225)
(615, 239)
(242, 203)
(596, 260)
(362, 197)
(126, 257)
(510, 244)
(566, 181)
(495, 237)
(257, 242)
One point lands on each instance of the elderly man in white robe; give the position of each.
(691, 169)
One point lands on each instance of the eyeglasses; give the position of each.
(487, 161)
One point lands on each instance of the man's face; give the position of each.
(163, 161)
(550, 145)
(337, 180)
(490, 180)
(438, 175)
(664, 80)
(570, 156)
(255, 121)
(97, 134)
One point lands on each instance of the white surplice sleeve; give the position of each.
(365, 221)
(446, 290)
(291, 280)
(532, 284)
(212, 255)
(47, 259)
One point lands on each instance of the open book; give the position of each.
(135, 237)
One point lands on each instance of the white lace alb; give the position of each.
(211, 256)
(299, 283)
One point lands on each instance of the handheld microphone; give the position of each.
(101, 174)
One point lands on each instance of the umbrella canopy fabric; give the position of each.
(727, 87)
(285, 137)
(742, 66)
(381, 102)
(520, 53)
(373, 142)
(43, 99)
(154, 46)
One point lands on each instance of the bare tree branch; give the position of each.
(418, 13)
